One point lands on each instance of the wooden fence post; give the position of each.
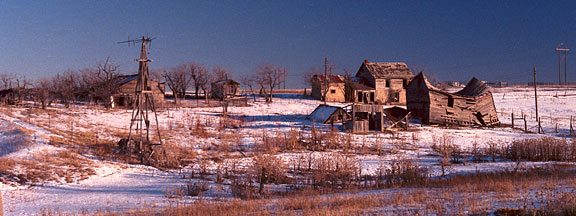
(571, 128)
(556, 128)
(525, 126)
(512, 120)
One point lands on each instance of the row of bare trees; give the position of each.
(97, 84)
(184, 76)
(100, 83)
(266, 77)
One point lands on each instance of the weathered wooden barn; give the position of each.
(335, 90)
(127, 86)
(387, 81)
(470, 106)
(225, 89)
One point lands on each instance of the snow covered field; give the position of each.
(117, 186)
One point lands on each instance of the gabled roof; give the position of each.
(386, 69)
(420, 77)
(331, 78)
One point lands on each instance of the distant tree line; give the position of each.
(98, 84)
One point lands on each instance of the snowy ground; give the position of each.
(118, 186)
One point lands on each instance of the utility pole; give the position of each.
(563, 48)
(559, 67)
(535, 95)
(325, 79)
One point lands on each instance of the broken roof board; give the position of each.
(475, 88)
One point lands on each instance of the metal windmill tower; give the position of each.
(142, 106)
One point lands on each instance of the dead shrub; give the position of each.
(243, 188)
(275, 169)
(173, 193)
(172, 156)
(404, 171)
(339, 171)
(541, 149)
(195, 189)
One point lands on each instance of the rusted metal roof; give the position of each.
(331, 78)
(387, 69)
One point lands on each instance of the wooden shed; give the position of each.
(127, 86)
(225, 89)
(470, 106)
(328, 114)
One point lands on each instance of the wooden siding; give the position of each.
(337, 96)
(125, 93)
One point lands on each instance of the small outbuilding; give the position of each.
(225, 89)
(333, 87)
(328, 114)
(473, 105)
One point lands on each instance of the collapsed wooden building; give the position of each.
(473, 105)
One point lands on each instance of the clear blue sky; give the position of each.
(492, 40)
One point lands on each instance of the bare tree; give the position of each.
(309, 74)
(249, 81)
(221, 73)
(102, 81)
(178, 80)
(42, 92)
(7, 80)
(268, 76)
(199, 75)
(66, 86)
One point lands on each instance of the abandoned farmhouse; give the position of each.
(377, 84)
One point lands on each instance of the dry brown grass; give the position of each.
(60, 166)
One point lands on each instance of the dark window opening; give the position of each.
(359, 96)
(371, 96)
(332, 91)
(396, 97)
(387, 83)
(450, 101)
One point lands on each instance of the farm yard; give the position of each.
(267, 158)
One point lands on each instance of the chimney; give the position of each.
(365, 61)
